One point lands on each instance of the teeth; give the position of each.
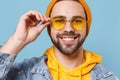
(68, 39)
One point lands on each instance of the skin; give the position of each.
(68, 50)
(26, 32)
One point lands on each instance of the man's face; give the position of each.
(68, 40)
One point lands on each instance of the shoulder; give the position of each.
(101, 72)
(28, 63)
(24, 67)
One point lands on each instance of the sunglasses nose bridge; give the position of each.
(68, 25)
(68, 22)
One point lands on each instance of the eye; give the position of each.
(59, 21)
(78, 21)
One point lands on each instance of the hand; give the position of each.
(26, 30)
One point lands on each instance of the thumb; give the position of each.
(43, 26)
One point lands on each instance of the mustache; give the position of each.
(73, 34)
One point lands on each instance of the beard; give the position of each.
(68, 49)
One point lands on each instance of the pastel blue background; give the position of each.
(104, 37)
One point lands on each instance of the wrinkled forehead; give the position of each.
(68, 8)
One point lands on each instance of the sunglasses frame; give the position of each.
(83, 20)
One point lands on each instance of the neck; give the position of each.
(70, 61)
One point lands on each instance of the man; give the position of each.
(68, 24)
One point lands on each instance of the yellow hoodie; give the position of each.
(82, 72)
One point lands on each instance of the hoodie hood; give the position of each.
(82, 72)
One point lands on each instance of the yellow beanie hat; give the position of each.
(82, 2)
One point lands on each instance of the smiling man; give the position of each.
(68, 40)
(68, 23)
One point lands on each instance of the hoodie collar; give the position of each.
(55, 66)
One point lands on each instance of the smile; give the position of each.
(68, 39)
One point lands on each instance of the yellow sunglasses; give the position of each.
(58, 23)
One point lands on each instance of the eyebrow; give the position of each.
(78, 17)
(59, 17)
(66, 17)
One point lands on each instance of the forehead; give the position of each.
(68, 8)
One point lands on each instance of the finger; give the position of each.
(37, 14)
(43, 26)
(48, 19)
(34, 15)
(31, 18)
(45, 18)
(42, 18)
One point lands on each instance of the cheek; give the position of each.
(83, 33)
(53, 33)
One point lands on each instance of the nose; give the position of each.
(68, 26)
